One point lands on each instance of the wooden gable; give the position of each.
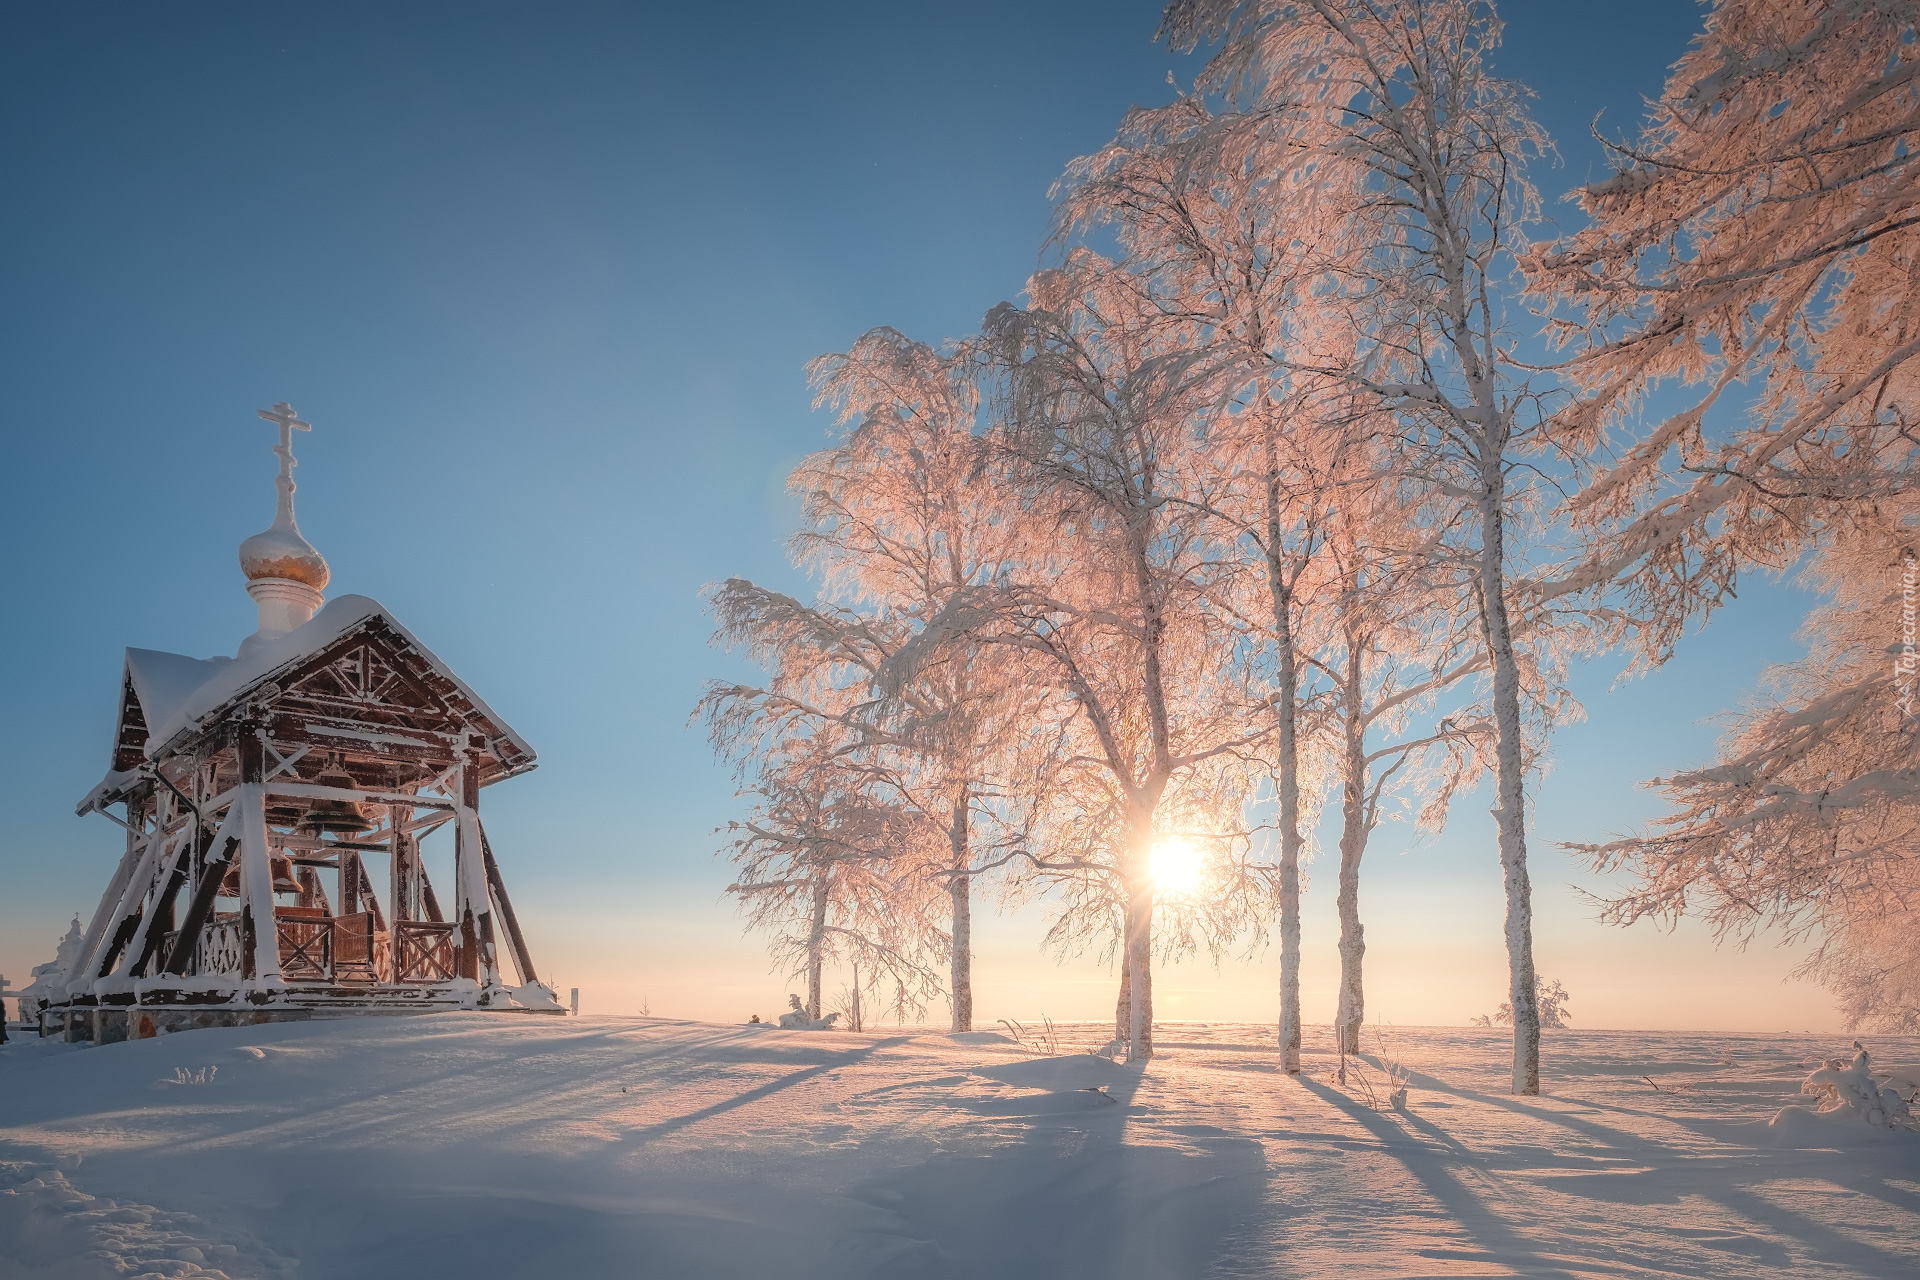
(374, 692)
(351, 683)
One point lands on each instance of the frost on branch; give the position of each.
(1806, 821)
(1850, 1091)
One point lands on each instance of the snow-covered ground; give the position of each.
(477, 1145)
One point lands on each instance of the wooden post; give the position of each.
(399, 876)
(476, 910)
(465, 854)
(350, 877)
(259, 939)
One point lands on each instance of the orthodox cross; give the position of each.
(283, 415)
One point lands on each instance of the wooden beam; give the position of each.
(522, 960)
(103, 917)
(370, 901)
(222, 850)
(427, 895)
(312, 791)
(159, 922)
(129, 911)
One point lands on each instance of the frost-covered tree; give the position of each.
(1754, 258)
(1809, 821)
(900, 517)
(1115, 604)
(1755, 254)
(1188, 193)
(1402, 641)
(1553, 1000)
(1390, 104)
(818, 870)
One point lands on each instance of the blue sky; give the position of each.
(544, 279)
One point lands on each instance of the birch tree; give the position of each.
(898, 517)
(818, 871)
(1192, 196)
(1402, 640)
(902, 516)
(1115, 603)
(1393, 99)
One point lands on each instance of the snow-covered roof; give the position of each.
(165, 681)
(179, 695)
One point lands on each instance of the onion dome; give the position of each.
(280, 552)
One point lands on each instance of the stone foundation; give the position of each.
(110, 1024)
(94, 1025)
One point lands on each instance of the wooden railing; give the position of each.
(306, 943)
(332, 948)
(219, 947)
(318, 947)
(422, 950)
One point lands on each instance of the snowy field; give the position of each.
(472, 1145)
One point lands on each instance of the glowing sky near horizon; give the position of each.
(544, 280)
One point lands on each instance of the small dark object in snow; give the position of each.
(755, 1018)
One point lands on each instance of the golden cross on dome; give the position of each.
(288, 421)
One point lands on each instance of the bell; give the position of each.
(334, 817)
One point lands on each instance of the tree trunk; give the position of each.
(816, 946)
(960, 890)
(1286, 698)
(1123, 1007)
(1353, 845)
(1146, 800)
(1510, 813)
(1140, 941)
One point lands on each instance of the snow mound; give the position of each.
(1070, 1071)
(1851, 1093)
(531, 995)
(58, 1230)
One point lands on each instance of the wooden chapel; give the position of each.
(273, 807)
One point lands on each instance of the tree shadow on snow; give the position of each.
(1083, 1193)
(844, 1058)
(1428, 1164)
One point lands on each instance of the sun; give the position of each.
(1176, 867)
